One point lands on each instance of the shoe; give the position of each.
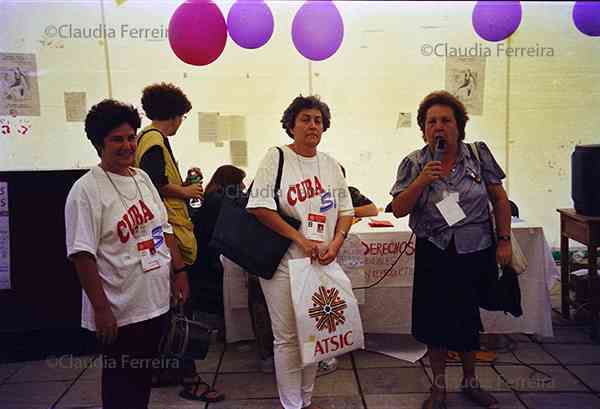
(267, 365)
(328, 366)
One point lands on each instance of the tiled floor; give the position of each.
(569, 378)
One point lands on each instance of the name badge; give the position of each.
(316, 226)
(451, 210)
(148, 255)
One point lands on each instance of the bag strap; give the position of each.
(278, 178)
(474, 150)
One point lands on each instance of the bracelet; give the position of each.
(179, 270)
(505, 238)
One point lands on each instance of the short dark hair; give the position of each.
(106, 116)
(300, 103)
(164, 101)
(447, 99)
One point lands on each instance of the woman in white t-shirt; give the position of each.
(312, 187)
(121, 243)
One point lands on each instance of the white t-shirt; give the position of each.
(98, 222)
(320, 176)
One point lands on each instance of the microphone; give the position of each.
(440, 148)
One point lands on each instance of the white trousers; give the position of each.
(294, 383)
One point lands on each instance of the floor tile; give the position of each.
(240, 360)
(9, 370)
(339, 402)
(398, 401)
(574, 354)
(339, 383)
(561, 400)
(242, 404)
(530, 353)
(82, 394)
(488, 379)
(524, 379)
(30, 394)
(568, 335)
(63, 368)
(393, 380)
(367, 359)
(247, 385)
(506, 400)
(589, 374)
(518, 337)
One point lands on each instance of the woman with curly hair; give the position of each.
(311, 184)
(166, 106)
(453, 260)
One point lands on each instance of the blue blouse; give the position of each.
(469, 178)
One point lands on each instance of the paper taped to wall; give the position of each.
(75, 106)
(208, 126)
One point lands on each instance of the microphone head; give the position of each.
(440, 148)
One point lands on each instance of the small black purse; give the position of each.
(502, 293)
(242, 238)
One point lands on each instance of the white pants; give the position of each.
(294, 383)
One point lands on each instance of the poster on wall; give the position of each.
(465, 78)
(75, 106)
(208, 123)
(4, 238)
(231, 128)
(19, 92)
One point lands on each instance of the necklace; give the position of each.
(121, 195)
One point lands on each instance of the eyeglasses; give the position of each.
(183, 117)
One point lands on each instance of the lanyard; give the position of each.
(304, 178)
(121, 195)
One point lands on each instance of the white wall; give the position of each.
(543, 106)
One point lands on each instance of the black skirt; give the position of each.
(445, 305)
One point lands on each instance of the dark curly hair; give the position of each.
(300, 103)
(164, 101)
(447, 99)
(106, 116)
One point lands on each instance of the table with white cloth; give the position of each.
(385, 308)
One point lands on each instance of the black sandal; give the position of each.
(191, 393)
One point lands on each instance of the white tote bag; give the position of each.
(327, 317)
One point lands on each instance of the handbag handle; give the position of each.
(277, 179)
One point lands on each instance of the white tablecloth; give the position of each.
(386, 308)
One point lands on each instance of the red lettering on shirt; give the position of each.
(131, 219)
(146, 212)
(292, 200)
(303, 190)
(122, 231)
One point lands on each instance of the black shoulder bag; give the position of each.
(243, 239)
(499, 292)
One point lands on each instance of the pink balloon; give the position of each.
(250, 23)
(197, 32)
(317, 30)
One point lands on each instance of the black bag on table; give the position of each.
(243, 239)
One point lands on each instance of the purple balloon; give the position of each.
(197, 32)
(317, 30)
(496, 20)
(586, 16)
(250, 23)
